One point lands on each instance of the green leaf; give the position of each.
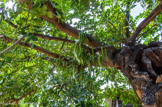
(3, 74)
(58, 16)
(99, 60)
(34, 38)
(32, 46)
(50, 14)
(36, 5)
(43, 13)
(26, 35)
(25, 27)
(44, 8)
(28, 39)
(36, 26)
(2, 15)
(2, 5)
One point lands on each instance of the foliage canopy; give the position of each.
(51, 67)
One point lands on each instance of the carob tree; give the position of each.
(140, 63)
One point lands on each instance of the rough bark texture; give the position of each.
(142, 65)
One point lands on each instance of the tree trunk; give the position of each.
(142, 65)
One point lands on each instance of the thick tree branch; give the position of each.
(67, 28)
(47, 37)
(143, 24)
(39, 49)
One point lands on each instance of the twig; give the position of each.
(4, 51)
(47, 37)
(26, 94)
(146, 31)
(39, 49)
(17, 100)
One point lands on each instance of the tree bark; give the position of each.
(142, 65)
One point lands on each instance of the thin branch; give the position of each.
(112, 25)
(13, 25)
(39, 49)
(17, 100)
(127, 20)
(47, 37)
(4, 51)
(44, 58)
(49, 59)
(146, 31)
(10, 100)
(143, 24)
(26, 95)
(52, 60)
(66, 27)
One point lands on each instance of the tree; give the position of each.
(49, 59)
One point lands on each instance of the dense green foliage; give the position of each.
(24, 69)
